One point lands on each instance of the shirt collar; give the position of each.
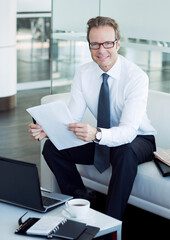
(114, 72)
(98, 71)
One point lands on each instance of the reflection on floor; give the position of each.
(15, 140)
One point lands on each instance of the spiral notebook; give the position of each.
(56, 227)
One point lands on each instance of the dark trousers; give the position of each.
(124, 160)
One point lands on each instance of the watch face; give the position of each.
(98, 136)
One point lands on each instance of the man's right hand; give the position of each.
(36, 132)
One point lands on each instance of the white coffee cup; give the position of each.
(78, 207)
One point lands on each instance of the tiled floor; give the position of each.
(15, 140)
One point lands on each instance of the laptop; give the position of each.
(19, 185)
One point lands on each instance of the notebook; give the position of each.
(163, 155)
(164, 168)
(19, 185)
(56, 227)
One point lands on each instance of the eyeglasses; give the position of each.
(106, 45)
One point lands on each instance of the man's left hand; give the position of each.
(83, 131)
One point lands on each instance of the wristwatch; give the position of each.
(98, 135)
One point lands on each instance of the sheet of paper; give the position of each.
(53, 118)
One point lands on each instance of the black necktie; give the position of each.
(102, 152)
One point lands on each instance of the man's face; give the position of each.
(105, 58)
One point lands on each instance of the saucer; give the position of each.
(68, 216)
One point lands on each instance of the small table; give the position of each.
(10, 214)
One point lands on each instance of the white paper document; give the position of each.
(54, 118)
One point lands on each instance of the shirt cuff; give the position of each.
(106, 136)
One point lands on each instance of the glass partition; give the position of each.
(68, 52)
(33, 51)
(69, 47)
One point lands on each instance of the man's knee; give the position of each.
(124, 154)
(123, 150)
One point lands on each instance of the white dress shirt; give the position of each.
(128, 86)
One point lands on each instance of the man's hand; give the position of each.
(36, 132)
(83, 131)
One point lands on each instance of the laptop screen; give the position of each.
(19, 183)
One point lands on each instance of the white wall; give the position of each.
(7, 48)
(33, 5)
(73, 14)
(145, 19)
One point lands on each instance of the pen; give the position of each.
(18, 229)
(33, 120)
(20, 222)
(24, 226)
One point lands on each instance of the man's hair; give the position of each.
(103, 21)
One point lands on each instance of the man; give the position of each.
(128, 135)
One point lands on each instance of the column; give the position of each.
(8, 68)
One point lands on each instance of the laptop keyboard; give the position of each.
(49, 201)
